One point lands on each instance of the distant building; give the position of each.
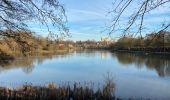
(106, 40)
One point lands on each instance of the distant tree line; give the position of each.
(153, 41)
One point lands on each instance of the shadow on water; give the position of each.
(160, 63)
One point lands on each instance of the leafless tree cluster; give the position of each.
(15, 15)
(136, 19)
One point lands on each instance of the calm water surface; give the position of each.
(135, 75)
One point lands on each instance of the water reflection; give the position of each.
(135, 75)
(160, 63)
(27, 64)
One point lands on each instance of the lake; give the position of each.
(135, 75)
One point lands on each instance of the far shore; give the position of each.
(144, 50)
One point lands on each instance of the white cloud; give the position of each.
(75, 15)
(86, 17)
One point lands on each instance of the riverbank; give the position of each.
(144, 50)
(5, 56)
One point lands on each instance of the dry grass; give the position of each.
(54, 92)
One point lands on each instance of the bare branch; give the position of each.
(143, 7)
(14, 14)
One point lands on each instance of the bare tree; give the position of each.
(15, 15)
(136, 18)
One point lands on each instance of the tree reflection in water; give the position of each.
(160, 63)
(27, 63)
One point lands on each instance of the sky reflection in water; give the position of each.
(135, 75)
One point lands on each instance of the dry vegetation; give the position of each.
(152, 42)
(77, 91)
(25, 43)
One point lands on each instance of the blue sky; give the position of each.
(87, 18)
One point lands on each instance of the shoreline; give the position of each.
(142, 52)
(146, 52)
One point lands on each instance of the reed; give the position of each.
(76, 91)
